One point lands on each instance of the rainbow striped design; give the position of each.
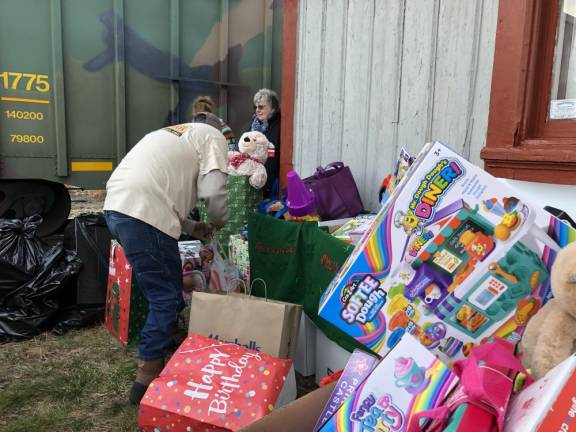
(441, 381)
(374, 333)
(561, 233)
(341, 420)
(378, 255)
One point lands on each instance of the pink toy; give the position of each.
(409, 375)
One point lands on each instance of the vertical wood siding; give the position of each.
(377, 75)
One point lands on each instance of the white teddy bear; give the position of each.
(254, 147)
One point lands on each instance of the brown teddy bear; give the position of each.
(550, 336)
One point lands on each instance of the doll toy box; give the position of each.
(453, 257)
(358, 368)
(408, 380)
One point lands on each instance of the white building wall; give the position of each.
(376, 75)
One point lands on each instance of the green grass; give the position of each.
(76, 382)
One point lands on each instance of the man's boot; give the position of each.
(147, 371)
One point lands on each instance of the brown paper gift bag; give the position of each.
(256, 323)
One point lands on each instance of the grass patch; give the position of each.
(76, 382)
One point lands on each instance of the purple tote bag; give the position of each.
(335, 192)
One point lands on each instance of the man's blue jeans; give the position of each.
(156, 264)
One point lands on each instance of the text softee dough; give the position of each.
(453, 257)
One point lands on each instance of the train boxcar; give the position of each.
(81, 81)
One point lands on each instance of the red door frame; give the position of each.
(288, 96)
(517, 143)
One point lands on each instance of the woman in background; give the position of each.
(266, 119)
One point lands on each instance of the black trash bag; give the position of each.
(10, 279)
(78, 316)
(21, 252)
(21, 324)
(88, 235)
(20, 246)
(27, 310)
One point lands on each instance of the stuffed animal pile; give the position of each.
(251, 158)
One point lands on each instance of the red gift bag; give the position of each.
(209, 385)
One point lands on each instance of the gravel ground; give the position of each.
(86, 201)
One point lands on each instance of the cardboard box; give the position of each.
(353, 230)
(333, 225)
(547, 405)
(302, 414)
(454, 257)
(357, 233)
(408, 380)
(305, 362)
(330, 357)
(299, 415)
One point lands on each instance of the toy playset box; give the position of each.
(408, 380)
(453, 257)
(358, 368)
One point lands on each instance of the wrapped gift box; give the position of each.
(243, 200)
(126, 308)
(408, 380)
(210, 385)
(239, 256)
(357, 369)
